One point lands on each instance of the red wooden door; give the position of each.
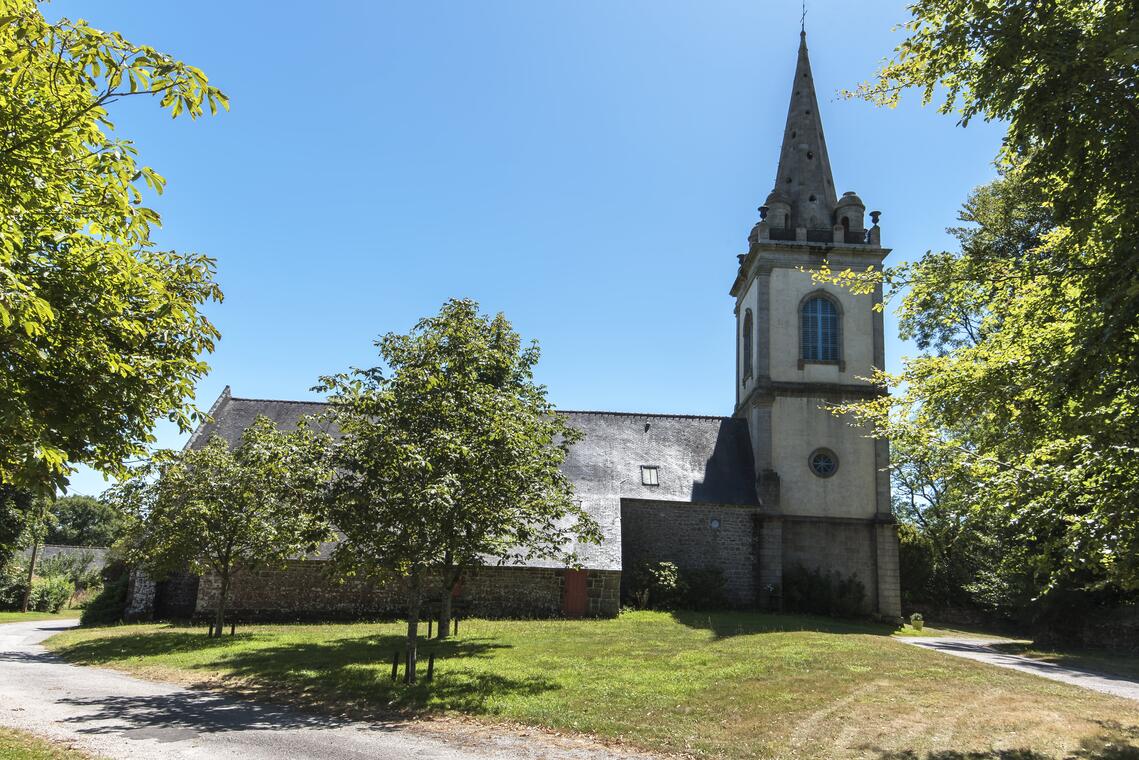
(575, 601)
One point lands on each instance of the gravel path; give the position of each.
(981, 650)
(116, 716)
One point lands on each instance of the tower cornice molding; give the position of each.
(766, 390)
(767, 257)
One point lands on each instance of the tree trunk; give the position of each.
(445, 611)
(223, 597)
(414, 600)
(449, 576)
(31, 571)
(38, 533)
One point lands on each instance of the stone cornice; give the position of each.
(767, 255)
(766, 390)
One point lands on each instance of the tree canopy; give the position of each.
(224, 510)
(1026, 398)
(450, 455)
(85, 521)
(101, 334)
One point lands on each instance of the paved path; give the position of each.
(982, 651)
(116, 716)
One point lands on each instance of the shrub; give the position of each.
(657, 585)
(819, 593)
(13, 582)
(705, 589)
(50, 593)
(108, 607)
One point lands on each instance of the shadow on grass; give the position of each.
(357, 673)
(347, 676)
(734, 623)
(1116, 742)
(101, 651)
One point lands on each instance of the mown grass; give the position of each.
(18, 745)
(732, 684)
(19, 617)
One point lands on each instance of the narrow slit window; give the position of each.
(748, 339)
(649, 476)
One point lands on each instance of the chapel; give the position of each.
(780, 485)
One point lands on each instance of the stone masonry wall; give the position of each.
(140, 596)
(845, 547)
(535, 592)
(889, 579)
(176, 597)
(306, 590)
(683, 533)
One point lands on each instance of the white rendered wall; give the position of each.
(750, 301)
(788, 287)
(798, 427)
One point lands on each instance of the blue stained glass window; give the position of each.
(818, 330)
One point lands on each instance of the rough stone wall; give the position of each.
(769, 568)
(176, 597)
(889, 579)
(140, 596)
(845, 547)
(306, 590)
(683, 534)
(535, 592)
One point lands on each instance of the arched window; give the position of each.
(747, 341)
(819, 330)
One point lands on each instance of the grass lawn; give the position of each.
(19, 617)
(17, 745)
(731, 684)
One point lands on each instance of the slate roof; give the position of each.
(704, 460)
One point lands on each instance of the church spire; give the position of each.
(804, 184)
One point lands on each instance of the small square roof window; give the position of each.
(649, 475)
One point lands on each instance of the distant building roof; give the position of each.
(705, 460)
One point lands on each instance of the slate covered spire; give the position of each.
(804, 194)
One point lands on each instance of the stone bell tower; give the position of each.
(802, 346)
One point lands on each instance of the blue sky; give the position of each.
(589, 167)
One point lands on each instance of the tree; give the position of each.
(15, 508)
(947, 546)
(85, 521)
(1038, 475)
(450, 458)
(1036, 397)
(226, 510)
(100, 333)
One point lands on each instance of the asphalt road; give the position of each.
(116, 716)
(981, 651)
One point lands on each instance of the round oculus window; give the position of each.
(823, 462)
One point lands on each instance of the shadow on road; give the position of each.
(199, 712)
(37, 658)
(999, 654)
